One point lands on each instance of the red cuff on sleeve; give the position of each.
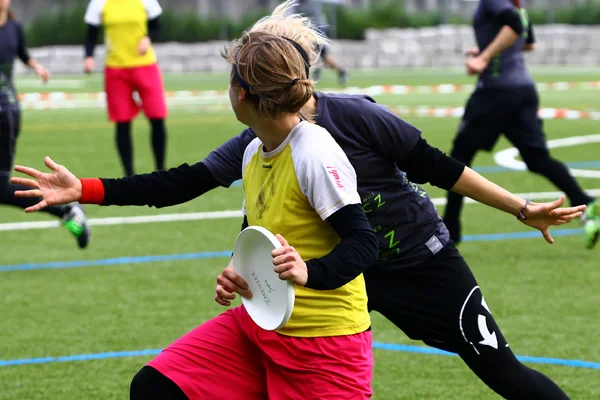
(92, 191)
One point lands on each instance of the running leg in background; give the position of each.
(72, 216)
(125, 146)
(159, 142)
(526, 133)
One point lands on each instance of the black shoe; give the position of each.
(343, 77)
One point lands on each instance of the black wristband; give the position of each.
(521, 216)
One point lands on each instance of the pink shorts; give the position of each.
(230, 357)
(121, 83)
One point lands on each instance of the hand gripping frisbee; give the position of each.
(272, 299)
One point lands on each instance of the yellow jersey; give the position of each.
(291, 191)
(125, 23)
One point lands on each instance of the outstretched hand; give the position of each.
(542, 216)
(57, 188)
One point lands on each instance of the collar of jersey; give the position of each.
(279, 149)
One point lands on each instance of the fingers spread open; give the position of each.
(28, 193)
(25, 182)
(42, 204)
(28, 171)
(51, 164)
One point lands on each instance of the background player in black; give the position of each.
(506, 101)
(12, 45)
(313, 9)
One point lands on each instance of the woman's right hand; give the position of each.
(57, 188)
(228, 284)
(472, 52)
(88, 65)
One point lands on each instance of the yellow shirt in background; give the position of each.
(125, 23)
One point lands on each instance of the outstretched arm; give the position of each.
(540, 216)
(422, 163)
(158, 189)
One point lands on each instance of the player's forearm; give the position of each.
(32, 63)
(356, 252)
(158, 189)
(505, 38)
(476, 187)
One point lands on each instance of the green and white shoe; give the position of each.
(75, 222)
(591, 224)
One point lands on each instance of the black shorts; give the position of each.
(438, 302)
(10, 122)
(493, 111)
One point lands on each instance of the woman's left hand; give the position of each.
(288, 263)
(144, 46)
(541, 216)
(476, 65)
(43, 73)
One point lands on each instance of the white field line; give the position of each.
(18, 226)
(508, 158)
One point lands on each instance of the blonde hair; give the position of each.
(283, 23)
(272, 71)
(296, 27)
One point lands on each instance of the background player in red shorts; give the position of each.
(129, 28)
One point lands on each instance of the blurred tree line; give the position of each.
(66, 26)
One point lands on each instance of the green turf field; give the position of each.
(544, 297)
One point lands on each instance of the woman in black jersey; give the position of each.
(12, 45)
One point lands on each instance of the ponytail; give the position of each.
(10, 15)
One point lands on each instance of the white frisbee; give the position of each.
(272, 299)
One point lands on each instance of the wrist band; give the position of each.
(521, 215)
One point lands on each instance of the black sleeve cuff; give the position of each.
(512, 19)
(530, 34)
(90, 40)
(154, 28)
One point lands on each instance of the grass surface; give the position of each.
(544, 297)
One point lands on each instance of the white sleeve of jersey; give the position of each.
(252, 148)
(152, 8)
(93, 14)
(325, 175)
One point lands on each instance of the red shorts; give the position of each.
(230, 357)
(121, 83)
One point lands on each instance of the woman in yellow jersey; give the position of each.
(130, 26)
(297, 183)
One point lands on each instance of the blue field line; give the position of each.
(225, 254)
(492, 237)
(534, 360)
(115, 261)
(376, 345)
